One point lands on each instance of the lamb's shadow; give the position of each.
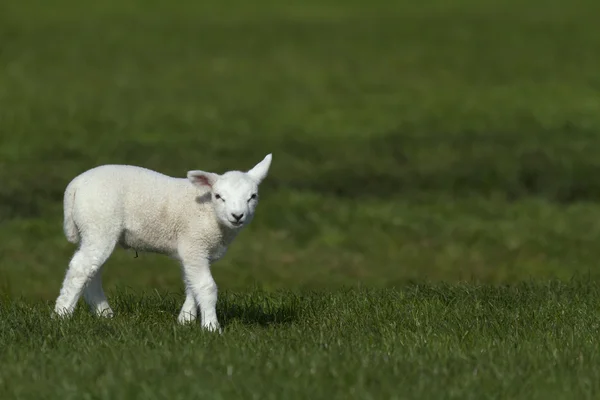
(251, 312)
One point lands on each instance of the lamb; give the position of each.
(192, 220)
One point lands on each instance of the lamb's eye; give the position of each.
(218, 196)
(253, 196)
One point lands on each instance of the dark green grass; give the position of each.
(410, 141)
(427, 141)
(527, 341)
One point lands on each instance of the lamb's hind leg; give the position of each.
(95, 297)
(84, 266)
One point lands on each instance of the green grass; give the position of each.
(528, 341)
(448, 145)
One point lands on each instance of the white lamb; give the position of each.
(192, 220)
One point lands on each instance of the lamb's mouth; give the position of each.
(236, 223)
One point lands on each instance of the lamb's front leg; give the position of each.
(189, 311)
(202, 286)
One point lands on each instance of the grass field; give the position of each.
(429, 227)
(423, 342)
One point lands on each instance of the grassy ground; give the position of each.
(424, 342)
(413, 142)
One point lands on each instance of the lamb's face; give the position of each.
(234, 198)
(235, 193)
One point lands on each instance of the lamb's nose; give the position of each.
(237, 216)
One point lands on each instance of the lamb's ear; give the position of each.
(260, 170)
(202, 178)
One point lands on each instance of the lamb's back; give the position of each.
(147, 209)
(129, 197)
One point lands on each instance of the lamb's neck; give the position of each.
(227, 234)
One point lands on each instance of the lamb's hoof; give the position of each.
(213, 327)
(105, 313)
(186, 318)
(60, 313)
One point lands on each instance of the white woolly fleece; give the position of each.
(192, 219)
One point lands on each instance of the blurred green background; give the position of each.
(411, 141)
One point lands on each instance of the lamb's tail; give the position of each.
(71, 231)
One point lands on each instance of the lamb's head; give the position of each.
(234, 193)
